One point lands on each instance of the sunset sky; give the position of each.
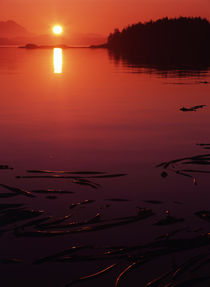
(95, 16)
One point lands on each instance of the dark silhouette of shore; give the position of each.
(166, 41)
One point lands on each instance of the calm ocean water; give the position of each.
(80, 109)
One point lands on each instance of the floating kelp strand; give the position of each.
(157, 281)
(95, 219)
(108, 175)
(188, 264)
(124, 272)
(115, 251)
(184, 174)
(114, 224)
(92, 276)
(198, 162)
(10, 261)
(44, 176)
(196, 170)
(203, 144)
(73, 177)
(193, 158)
(14, 215)
(154, 201)
(57, 255)
(128, 269)
(65, 172)
(81, 227)
(56, 221)
(86, 182)
(18, 190)
(161, 164)
(87, 201)
(52, 191)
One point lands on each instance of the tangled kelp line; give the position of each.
(121, 259)
(130, 258)
(188, 166)
(12, 215)
(117, 261)
(78, 177)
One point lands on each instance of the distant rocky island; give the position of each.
(34, 46)
(183, 39)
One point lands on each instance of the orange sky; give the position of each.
(95, 16)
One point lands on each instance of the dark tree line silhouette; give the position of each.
(184, 39)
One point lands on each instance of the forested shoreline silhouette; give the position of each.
(184, 40)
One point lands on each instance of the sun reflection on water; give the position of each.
(58, 60)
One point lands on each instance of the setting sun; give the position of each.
(57, 29)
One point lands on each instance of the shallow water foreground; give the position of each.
(84, 198)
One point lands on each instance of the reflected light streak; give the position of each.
(58, 60)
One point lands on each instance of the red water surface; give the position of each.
(103, 116)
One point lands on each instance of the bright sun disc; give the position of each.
(57, 30)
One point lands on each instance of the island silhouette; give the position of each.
(183, 40)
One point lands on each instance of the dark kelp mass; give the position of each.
(24, 222)
(178, 166)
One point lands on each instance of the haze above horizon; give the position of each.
(93, 16)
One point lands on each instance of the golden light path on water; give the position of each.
(58, 60)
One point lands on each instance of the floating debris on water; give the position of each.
(192, 109)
